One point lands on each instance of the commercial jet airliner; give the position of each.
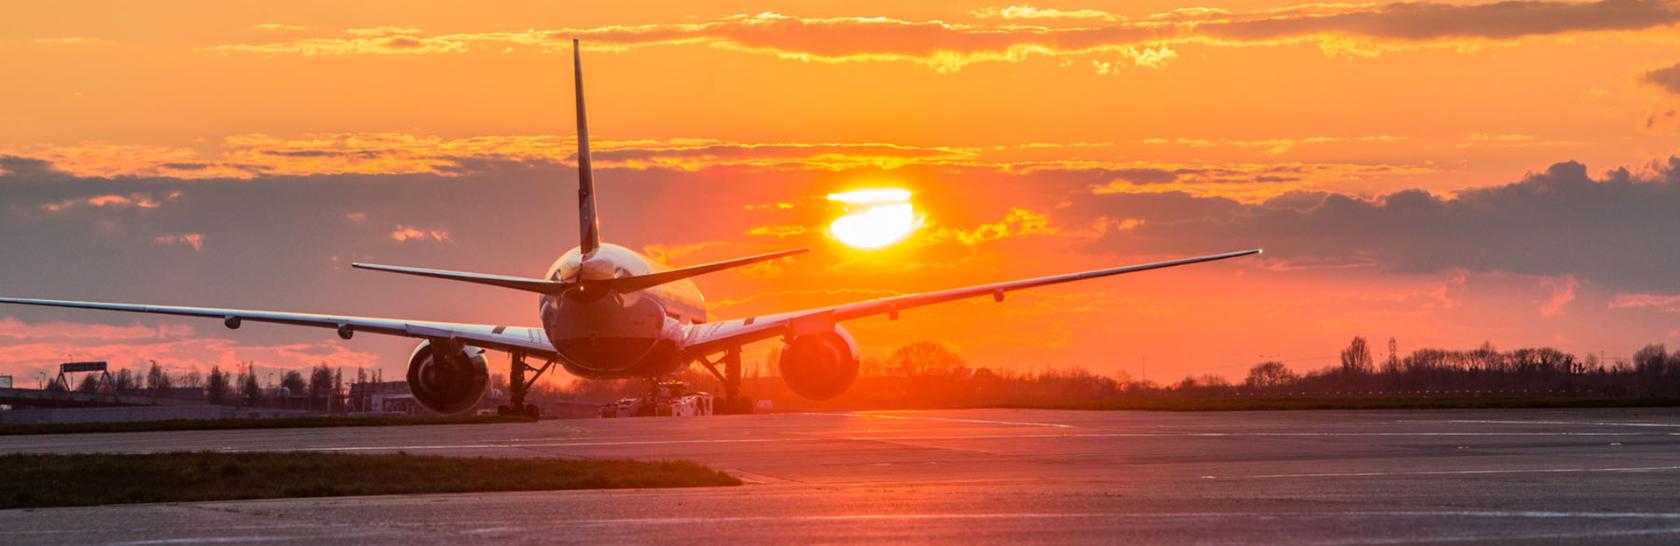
(610, 312)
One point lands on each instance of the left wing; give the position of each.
(712, 337)
(527, 340)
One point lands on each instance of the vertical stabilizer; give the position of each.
(590, 225)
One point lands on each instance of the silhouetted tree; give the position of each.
(156, 378)
(216, 390)
(1356, 358)
(1392, 365)
(124, 380)
(1269, 374)
(292, 382)
(320, 385)
(925, 358)
(192, 379)
(90, 383)
(250, 389)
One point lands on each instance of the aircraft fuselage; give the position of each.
(615, 335)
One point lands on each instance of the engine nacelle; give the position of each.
(448, 381)
(820, 366)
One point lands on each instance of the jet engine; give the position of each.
(447, 379)
(820, 366)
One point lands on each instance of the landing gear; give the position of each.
(732, 402)
(518, 385)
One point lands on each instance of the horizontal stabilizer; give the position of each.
(640, 282)
(517, 283)
(543, 286)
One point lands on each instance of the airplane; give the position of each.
(608, 312)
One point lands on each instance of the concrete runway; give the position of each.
(972, 477)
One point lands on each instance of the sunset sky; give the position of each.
(1443, 173)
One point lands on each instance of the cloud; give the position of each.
(1009, 34)
(12, 328)
(1272, 146)
(194, 240)
(111, 200)
(278, 27)
(247, 157)
(1666, 78)
(1563, 292)
(1147, 57)
(1613, 230)
(1508, 140)
(31, 168)
(71, 41)
(253, 155)
(362, 41)
(1665, 303)
(1246, 182)
(404, 233)
(1029, 12)
(1019, 223)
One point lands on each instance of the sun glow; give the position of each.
(874, 218)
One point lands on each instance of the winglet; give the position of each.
(590, 225)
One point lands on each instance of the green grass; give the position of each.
(233, 424)
(36, 481)
(1256, 404)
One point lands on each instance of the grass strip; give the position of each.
(45, 480)
(242, 424)
(1351, 403)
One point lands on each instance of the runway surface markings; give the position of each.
(1519, 514)
(1452, 472)
(949, 419)
(803, 439)
(1572, 423)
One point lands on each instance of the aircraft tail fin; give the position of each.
(590, 223)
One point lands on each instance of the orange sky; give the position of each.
(1037, 139)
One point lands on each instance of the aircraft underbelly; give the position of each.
(621, 335)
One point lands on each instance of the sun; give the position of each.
(874, 218)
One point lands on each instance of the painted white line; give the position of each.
(956, 420)
(1568, 423)
(1454, 472)
(1487, 514)
(202, 540)
(933, 438)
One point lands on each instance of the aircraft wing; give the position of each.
(527, 340)
(707, 338)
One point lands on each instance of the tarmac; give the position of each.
(992, 476)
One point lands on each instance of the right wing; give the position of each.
(712, 337)
(526, 340)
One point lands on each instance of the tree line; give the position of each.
(320, 387)
(930, 374)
